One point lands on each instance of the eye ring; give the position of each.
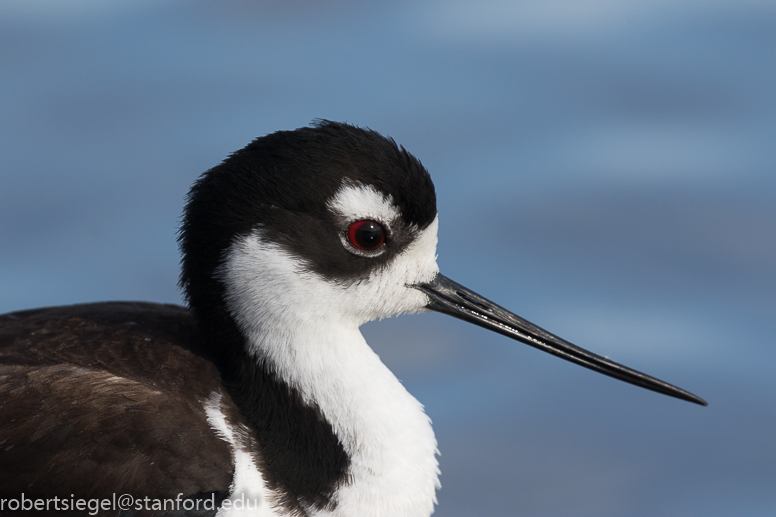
(366, 235)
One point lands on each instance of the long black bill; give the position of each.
(456, 300)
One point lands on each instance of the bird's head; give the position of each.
(334, 225)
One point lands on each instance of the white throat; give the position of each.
(307, 330)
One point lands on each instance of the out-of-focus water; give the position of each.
(606, 169)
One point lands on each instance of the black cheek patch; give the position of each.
(319, 244)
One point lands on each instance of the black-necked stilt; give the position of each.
(264, 391)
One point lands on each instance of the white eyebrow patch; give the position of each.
(355, 201)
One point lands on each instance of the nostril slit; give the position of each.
(472, 301)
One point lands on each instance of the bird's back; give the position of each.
(111, 393)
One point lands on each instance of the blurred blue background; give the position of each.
(604, 168)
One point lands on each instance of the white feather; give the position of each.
(354, 201)
(248, 497)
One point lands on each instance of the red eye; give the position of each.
(366, 235)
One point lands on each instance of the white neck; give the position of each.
(383, 429)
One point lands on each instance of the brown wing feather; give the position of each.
(107, 398)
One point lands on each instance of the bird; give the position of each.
(260, 397)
